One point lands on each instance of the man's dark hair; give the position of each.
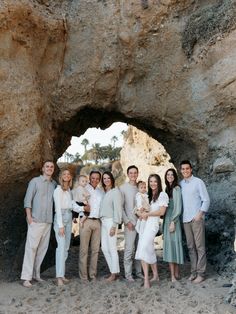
(47, 160)
(97, 172)
(186, 162)
(131, 167)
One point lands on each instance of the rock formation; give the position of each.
(146, 153)
(167, 67)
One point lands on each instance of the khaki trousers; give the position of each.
(36, 246)
(90, 233)
(195, 236)
(131, 241)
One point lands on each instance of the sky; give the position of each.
(94, 135)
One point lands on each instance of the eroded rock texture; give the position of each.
(167, 67)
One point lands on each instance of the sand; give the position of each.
(116, 297)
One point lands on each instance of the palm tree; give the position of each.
(114, 139)
(85, 143)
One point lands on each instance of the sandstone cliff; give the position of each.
(167, 67)
(145, 152)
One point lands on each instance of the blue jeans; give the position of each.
(63, 243)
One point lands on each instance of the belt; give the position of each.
(93, 218)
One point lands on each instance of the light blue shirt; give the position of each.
(195, 197)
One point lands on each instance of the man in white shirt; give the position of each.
(90, 232)
(196, 202)
(129, 191)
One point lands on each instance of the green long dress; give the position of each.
(172, 246)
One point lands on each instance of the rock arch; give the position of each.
(64, 69)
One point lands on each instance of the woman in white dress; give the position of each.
(146, 251)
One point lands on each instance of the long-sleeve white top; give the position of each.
(96, 195)
(63, 200)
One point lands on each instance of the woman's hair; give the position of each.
(110, 175)
(169, 188)
(151, 196)
(61, 180)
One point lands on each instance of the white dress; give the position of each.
(145, 250)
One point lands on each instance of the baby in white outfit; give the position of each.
(141, 205)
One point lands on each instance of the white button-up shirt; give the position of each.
(195, 197)
(96, 196)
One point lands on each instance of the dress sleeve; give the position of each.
(163, 199)
(177, 200)
(57, 202)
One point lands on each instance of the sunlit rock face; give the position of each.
(146, 153)
(166, 67)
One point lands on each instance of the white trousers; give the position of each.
(63, 243)
(36, 246)
(109, 247)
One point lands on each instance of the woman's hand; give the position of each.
(112, 231)
(144, 216)
(61, 232)
(172, 226)
(130, 226)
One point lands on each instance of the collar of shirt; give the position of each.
(45, 178)
(189, 179)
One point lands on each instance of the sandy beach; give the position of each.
(116, 297)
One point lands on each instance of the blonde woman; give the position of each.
(63, 222)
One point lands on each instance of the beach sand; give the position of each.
(116, 297)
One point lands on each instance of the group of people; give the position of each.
(102, 209)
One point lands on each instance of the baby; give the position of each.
(141, 205)
(81, 195)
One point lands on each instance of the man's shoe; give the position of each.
(199, 279)
(27, 284)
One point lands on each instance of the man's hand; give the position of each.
(199, 216)
(29, 219)
(130, 226)
(87, 208)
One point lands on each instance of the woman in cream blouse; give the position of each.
(110, 214)
(63, 222)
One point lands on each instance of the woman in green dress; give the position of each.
(172, 246)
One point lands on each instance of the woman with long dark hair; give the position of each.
(172, 246)
(110, 214)
(146, 252)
